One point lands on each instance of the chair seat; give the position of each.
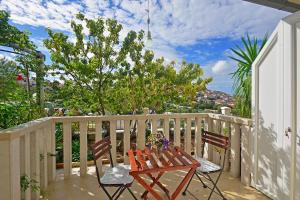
(207, 166)
(118, 175)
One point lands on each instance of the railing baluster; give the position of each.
(10, 169)
(188, 136)
(43, 158)
(126, 140)
(235, 150)
(216, 129)
(177, 132)
(113, 139)
(98, 136)
(209, 148)
(52, 151)
(35, 161)
(27, 144)
(154, 125)
(246, 155)
(141, 140)
(198, 138)
(225, 131)
(67, 137)
(167, 128)
(83, 147)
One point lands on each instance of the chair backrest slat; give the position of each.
(99, 149)
(221, 141)
(105, 150)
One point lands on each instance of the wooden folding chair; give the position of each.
(115, 176)
(206, 167)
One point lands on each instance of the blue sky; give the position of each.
(199, 31)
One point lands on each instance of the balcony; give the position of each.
(30, 148)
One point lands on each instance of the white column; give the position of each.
(246, 164)
(43, 157)
(83, 147)
(154, 125)
(10, 169)
(209, 148)
(52, 152)
(225, 110)
(177, 132)
(27, 146)
(35, 161)
(141, 138)
(216, 129)
(225, 131)
(198, 136)
(67, 137)
(188, 136)
(126, 140)
(113, 139)
(167, 128)
(235, 169)
(98, 136)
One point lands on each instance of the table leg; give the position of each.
(155, 181)
(183, 182)
(147, 187)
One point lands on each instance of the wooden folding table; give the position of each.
(147, 162)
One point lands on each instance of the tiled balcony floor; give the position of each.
(86, 188)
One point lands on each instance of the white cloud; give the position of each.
(173, 22)
(222, 67)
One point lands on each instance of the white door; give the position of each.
(297, 135)
(272, 105)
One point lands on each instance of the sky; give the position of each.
(198, 31)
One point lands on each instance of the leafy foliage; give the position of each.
(101, 73)
(10, 35)
(245, 56)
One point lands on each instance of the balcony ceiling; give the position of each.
(286, 5)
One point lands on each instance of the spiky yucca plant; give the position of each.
(244, 56)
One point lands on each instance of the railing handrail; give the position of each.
(20, 130)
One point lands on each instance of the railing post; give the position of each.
(188, 136)
(10, 169)
(35, 161)
(98, 136)
(141, 140)
(126, 140)
(177, 132)
(167, 128)
(198, 136)
(83, 147)
(225, 110)
(246, 164)
(67, 137)
(235, 153)
(113, 139)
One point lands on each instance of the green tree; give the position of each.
(14, 107)
(102, 74)
(245, 56)
(17, 103)
(87, 66)
(11, 36)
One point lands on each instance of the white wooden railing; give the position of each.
(29, 148)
